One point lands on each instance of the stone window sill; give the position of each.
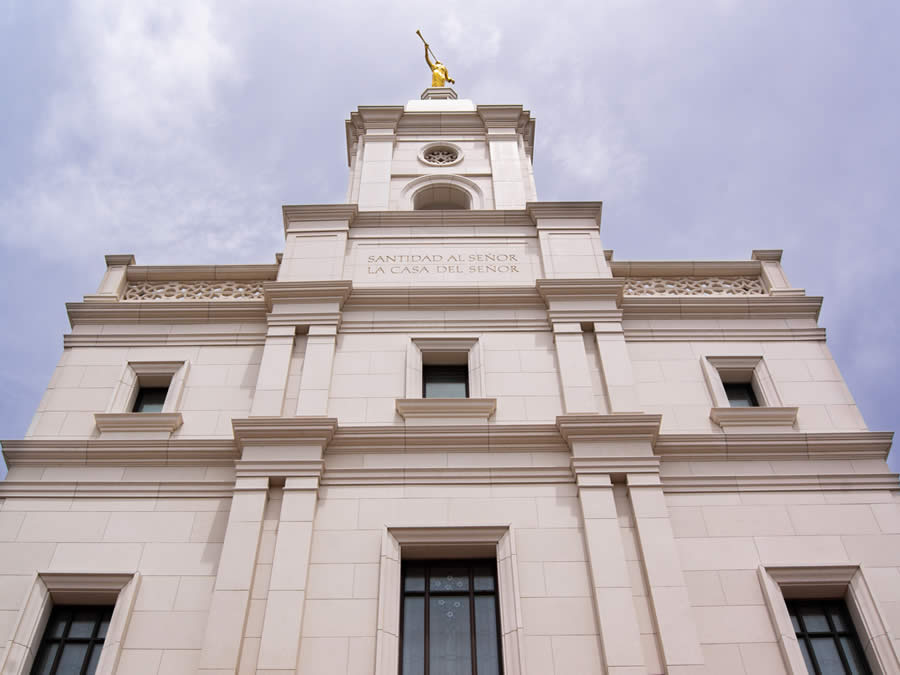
(762, 416)
(441, 410)
(138, 421)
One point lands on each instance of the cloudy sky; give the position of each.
(176, 130)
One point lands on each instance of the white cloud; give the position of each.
(125, 156)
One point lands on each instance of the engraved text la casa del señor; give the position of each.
(438, 263)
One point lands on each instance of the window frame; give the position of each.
(432, 348)
(847, 582)
(471, 594)
(769, 411)
(116, 589)
(120, 415)
(478, 541)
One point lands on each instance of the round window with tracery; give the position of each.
(441, 155)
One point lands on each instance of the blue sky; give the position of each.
(176, 132)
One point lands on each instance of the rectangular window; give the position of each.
(150, 399)
(445, 381)
(740, 394)
(827, 639)
(73, 640)
(450, 618)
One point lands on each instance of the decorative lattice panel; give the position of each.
(172, 291)
(656, 286)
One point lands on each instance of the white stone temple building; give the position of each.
(447, 433)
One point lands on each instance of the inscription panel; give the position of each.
(444, 263)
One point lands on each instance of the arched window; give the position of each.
(439, 196)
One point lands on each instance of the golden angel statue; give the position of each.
(439, 75)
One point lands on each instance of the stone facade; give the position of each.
(257, 522)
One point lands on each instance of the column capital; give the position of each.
(618, 427)
(282, 447)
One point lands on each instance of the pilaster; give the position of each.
(681, 649)
(502, 127)
(222, 642)
(282, 627)
(288, 449)
(273, 372)
(315, 241)
(569, 236)
(315, 380)
(114, 280)
(574, 372)
(772, 273)
(615, 365)
(380, 124)
(604, 448)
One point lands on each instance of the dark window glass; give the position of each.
(741, 395)
(827, 639)
(450, 623)
(445, 381)
(150, 399)
(72, 641)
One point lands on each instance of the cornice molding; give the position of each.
(165, 339)
(502, 114)
(580, 289)
(786, 445)
(443, 325)
(623, 426)
(449, 408)
(269, 431)
(685, 268)
(379, 116)
(119, 259)
(442, 218)
(307, 291)
(117, 489)
(753, 417)
(443, 438)
(564, 211)
(201, 272)
(443, 297)
(157, 312)
(722, 333)
(767, 254)
(794, 482)
(304, 213)
(722, 307)
(106, 452)
(446, 476)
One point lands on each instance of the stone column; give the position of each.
(574, 370)
(620, 633)
(315, 380)
(280, 643)
(615, 363)
(681, 649)
(231, 594)
(273, 372)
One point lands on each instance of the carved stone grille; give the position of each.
(440, 155)
(174, 291)
(656, 286)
